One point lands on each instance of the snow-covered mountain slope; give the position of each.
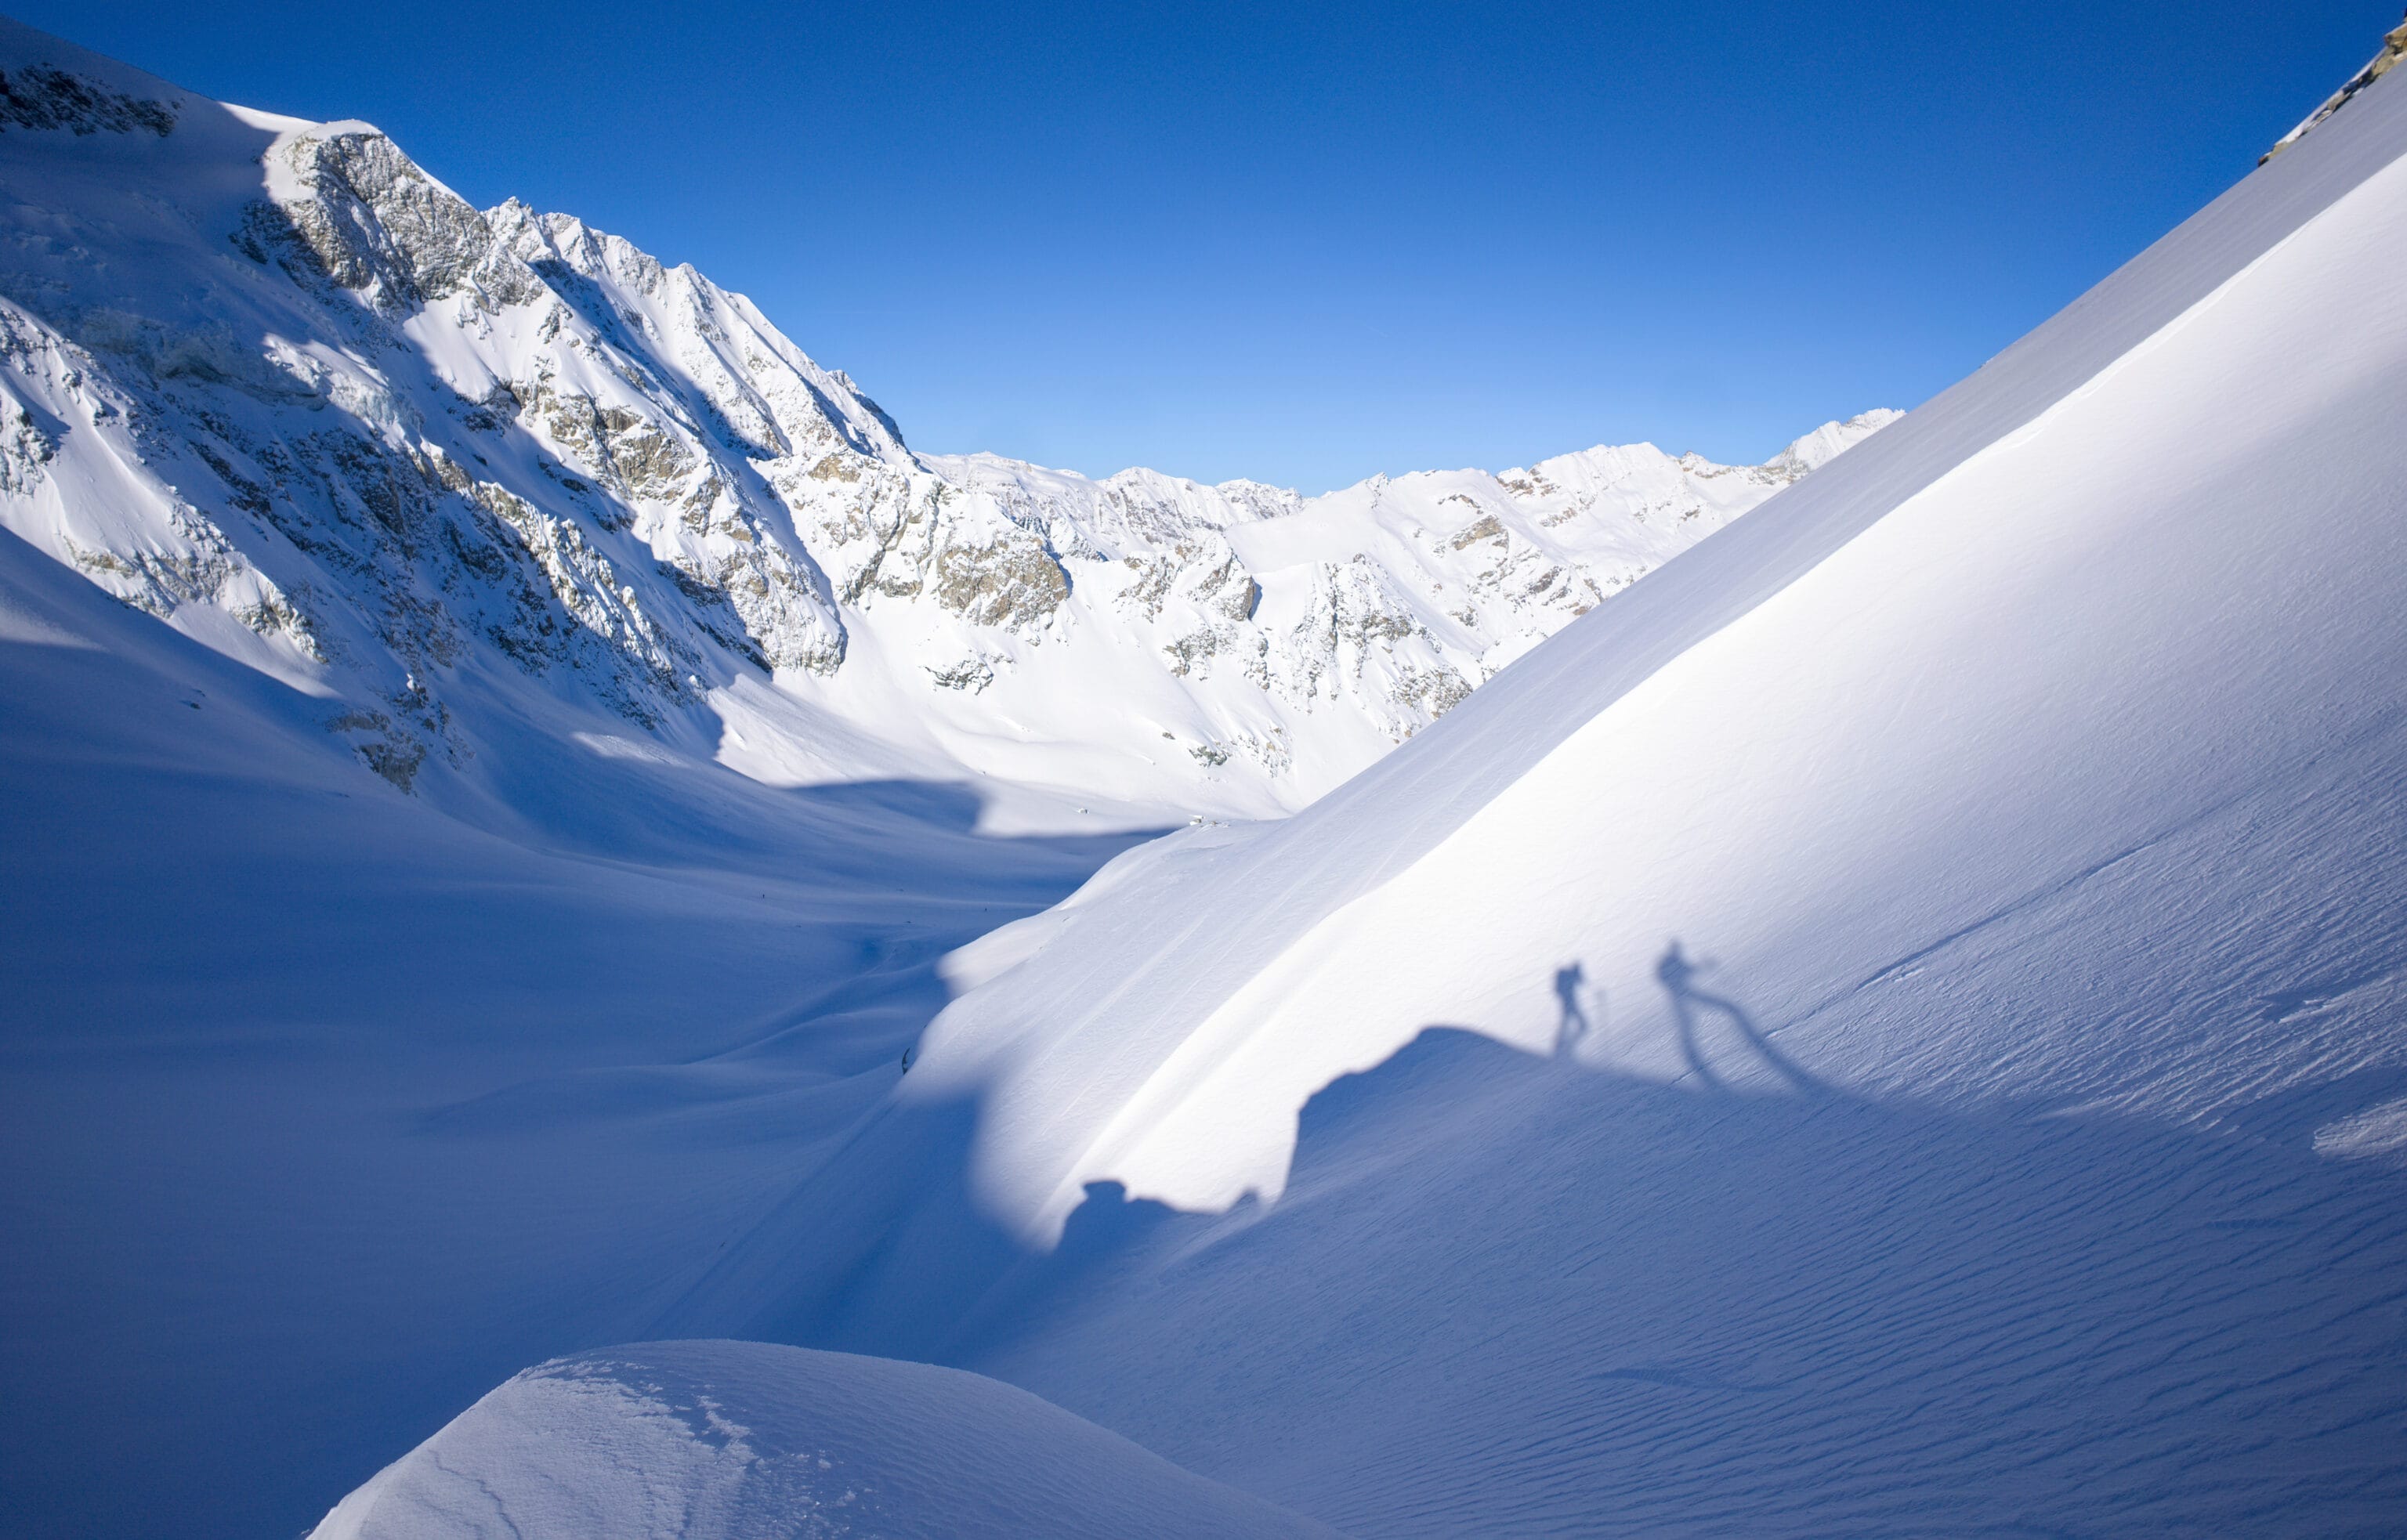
(323, 1110)
(1891, 1027)
(268, 381)
(733, 1440)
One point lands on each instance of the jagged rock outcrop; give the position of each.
(42, 97)
(2393, 47)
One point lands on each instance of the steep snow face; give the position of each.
(1893, 1025)
(2029, 634)
(269, 381)
(729, 1440)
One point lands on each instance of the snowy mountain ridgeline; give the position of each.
(269, 381)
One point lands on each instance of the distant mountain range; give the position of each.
(269, 381)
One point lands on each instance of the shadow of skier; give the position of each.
(1574, 1023)
(1677, 974)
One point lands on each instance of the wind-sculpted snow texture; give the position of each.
(739, 1440)
(269, 381)
(1891, 1027)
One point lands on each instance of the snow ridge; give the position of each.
(733, 1440)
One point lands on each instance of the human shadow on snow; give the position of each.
(1691, 1007)
(1573, 1025)
(1746, 1301)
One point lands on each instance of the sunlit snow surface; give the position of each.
(1889, 1026)
(745, 1441)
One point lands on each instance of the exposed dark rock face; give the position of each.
(45, 98)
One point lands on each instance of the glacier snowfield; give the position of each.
(596, 947)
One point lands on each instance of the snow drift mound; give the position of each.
(719, 1440)
(1892, 1027)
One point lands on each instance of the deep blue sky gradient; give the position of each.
(1303, 243)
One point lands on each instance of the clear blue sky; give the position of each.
(1305, 243)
